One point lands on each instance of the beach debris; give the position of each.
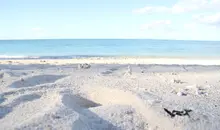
(176, 81)
(181, 93)
(42, 61)
(200, 91)
(129, 70)
(22, 80)
(55, 116)
(184, 68)
(174, 113)
(79, 66)
(173, 73)
(84, 66)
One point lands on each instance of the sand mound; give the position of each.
(35, 80)
(87, 120)
(4, 110)
(71, 112)
(153, 114)
(25, 107)
(58, 117)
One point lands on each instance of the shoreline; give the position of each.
(119, 60)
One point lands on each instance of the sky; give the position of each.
(145, 19)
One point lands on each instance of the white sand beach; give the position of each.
(110, 94)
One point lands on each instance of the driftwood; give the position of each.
(84, 66)
(185, 112)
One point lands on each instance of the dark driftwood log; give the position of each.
(185, 112)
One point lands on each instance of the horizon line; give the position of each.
(107, 39)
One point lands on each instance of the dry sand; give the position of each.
(110, 95)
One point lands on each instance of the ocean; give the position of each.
(70, 48)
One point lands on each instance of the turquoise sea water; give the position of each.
(67, 48)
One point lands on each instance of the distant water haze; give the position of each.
(68, 48)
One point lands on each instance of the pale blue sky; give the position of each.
(154, 19)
